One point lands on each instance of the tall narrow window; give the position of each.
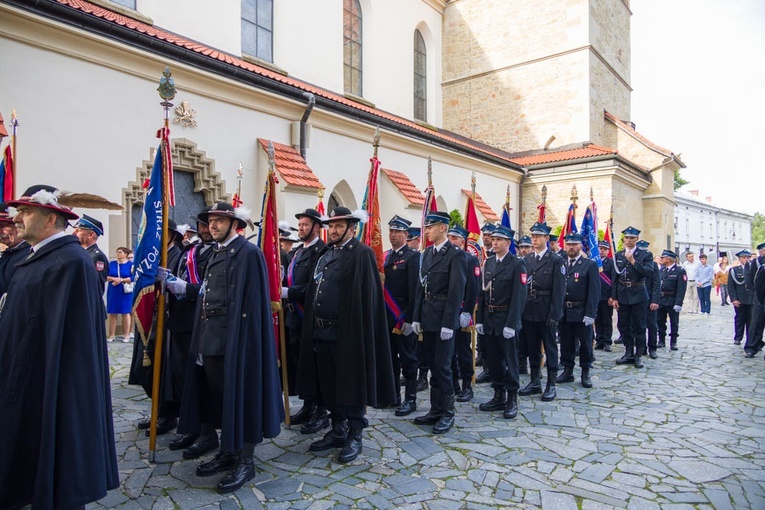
(420, 78)
(352, 46)
(258, 28)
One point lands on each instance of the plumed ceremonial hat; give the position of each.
(42, 195)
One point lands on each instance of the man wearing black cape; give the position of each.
(232, 382)
(57, 435)
(345, 345)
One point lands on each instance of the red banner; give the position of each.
(370, 233)
(269, 244)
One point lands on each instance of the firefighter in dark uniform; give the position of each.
(674, 283)
(88, 230)
(401, 267)
(483, 377)
(413, 241)
(579, 310)
(313, 416)
(544, 308)
(462, 363)
(604, 320)
(440, 291)
(524, 248)
(653, 287)
(632, 268)
(184, 286)
(413, 238)
(740, 296)
(755, 271)
(500, 306)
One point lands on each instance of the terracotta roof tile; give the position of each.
(589, 151)
(291, 166)
(482, 206)
(197, 47)
(405, 186)
(631, 131)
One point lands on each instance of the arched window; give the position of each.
(420, 78)
(352, 46)
(258, 29)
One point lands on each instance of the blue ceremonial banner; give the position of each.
(590, 234)
(147, 254)
(505, 222)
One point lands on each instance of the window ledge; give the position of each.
(358, 99)
(120, 9)
(426, 125)
(263, 63)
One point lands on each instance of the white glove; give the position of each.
(479, 329)
(464, 319)
(588, 321)
(677, 308)
(508, 333)
(446, 333)
(285, 291)
(163, 274)
(417, 328)
(408, 329)
(176, 286)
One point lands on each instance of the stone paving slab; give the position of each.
(688, 431)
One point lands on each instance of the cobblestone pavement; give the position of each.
(687, 431)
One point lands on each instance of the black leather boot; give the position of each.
(319, 420)
(205, 443)
(446, 420)
(550, 393)
(435, 409)
(566, 376)
(243, 472)
(586, 381)
(305, 413)
(422, 381)
(484, 377)
(352, 447)
(497, 402)
(183, 442)
(511, 406)
(220, 463)
(535, 384)
(627, 359)
(410, 401)
(638, 353)
(164, 425)
(466, 395)
(456, 386)
(335, 438)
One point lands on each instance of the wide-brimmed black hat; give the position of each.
(310, 213)
(198, 218)
(223, 209)
(42, 195)
(5, 215)
(343, 213)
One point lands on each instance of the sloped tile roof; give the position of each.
(589, 151)
(291, 166)
(188, 44)
(482, 206)
(631, 131)
(405, 186)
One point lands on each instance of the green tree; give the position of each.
(456, 218)
(758, 229)
(679, 181)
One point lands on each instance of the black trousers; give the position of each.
(422, 355)
(404, 351)
(570, 332)
(651, 327)
(502, 358)
(180, 354)
(741, 322)
(538, 335)
(439, 354)
(522, 344)
(674, 324)
(326, 364)
(293, 355)
(604, 323)
(210, 390)
(754, 342)
(631, 324)
(463, 352)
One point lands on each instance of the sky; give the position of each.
(698, 79)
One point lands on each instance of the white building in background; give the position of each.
(702, 227)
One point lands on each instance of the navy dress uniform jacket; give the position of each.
(582, 290)
(503, 295)
(654, 285)
(401, 268)
(101, 263)
(440, 288)
(301, 268)
(630, 280)
(674, 282)
(738, 286)
(546, 287)
(8, 260)
(605, 287)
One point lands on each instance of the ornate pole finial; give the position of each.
(166, 91)
(376, 138)
(507, 198)
(544, 193)
(320, 193)
(592, 195)
(271, 156)
(574, 195)
(430, 171)
(14, 122)
(472, 183)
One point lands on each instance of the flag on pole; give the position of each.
(505, 222)
(569, 226)
(269, 245)
(322, 212)
(428, 205)
(474, 231)
(148, 252)
(590, 234)
(608, 238)
(6, 175)
(370, 233)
